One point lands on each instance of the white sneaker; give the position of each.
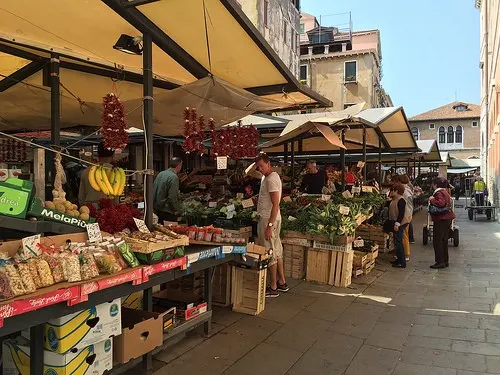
(407, 259)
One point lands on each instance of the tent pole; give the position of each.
(292, 159)
(285, 146)
(419, 166)
(148, 122)
(342, 162)
(364, 153)
(55, 101)
(379, 161)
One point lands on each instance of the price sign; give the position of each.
(141, 205)
(291, 218)
(361, 164)
(231, 208)
(247, 203)
(212, 204)
(344, 210)
(141, 226)
(239, 195)
(325, 197)
(356, 190)
(30, 246)
(367, 189)
(94, 232)
(287, 199)
(221, 162)
(202, 186)
(347, 194)
(359, 243)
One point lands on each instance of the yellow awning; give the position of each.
(83, 32)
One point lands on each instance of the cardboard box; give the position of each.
(133, 301)
(169, 317)
(188, 305)
(93, 359)
(256, 249)
(142, 331)
(83, 328)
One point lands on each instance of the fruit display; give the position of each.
(108, 180)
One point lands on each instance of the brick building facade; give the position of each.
(455, 126)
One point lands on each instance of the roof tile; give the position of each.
(448, 112)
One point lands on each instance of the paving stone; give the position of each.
(476, 347)
(310, 289)
(441, 358)
(285, 307)
(357, 320)
(191, 340)
(428, 342)
(449, 333)
(493, 365)
(493, 336)
(410, 369)
(400, 315)
(299, 333)
(374, 361)
(488, 323)
(474, 307)
(265, 359)
(458, 322)
(427, 320)
(408, 299)
(331, 354)
(224, 316)
(388, 336)
(329, 307)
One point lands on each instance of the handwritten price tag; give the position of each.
(347, 194)
(94, 232)
(344, 210)
(367, 189)
(141, 226)
(359, 243)
(325, 197)
(291, 218)
(287, 199)
(221, 162)
(30, 246)
(212, 204)
(247, 203)
(356, 190)
(361, 164)
(239, 195)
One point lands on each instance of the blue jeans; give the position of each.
(398, 245)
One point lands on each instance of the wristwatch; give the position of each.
(270, 225)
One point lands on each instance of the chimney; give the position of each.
(344, 47)
(327, 49)
(310, 51)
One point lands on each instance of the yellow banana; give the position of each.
(118, 182)
(123, 180)
(108, 171)
(100, 181)
(106, 182)
(112, 180)
(92, 178)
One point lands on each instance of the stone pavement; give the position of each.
(393, 321)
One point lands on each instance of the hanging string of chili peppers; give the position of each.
(113, 127)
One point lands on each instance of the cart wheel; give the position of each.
(470, 213)
(456, 238)
(425, 235)
(488, 214)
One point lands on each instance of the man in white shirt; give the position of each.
(269, 228)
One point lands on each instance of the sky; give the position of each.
(430, 48)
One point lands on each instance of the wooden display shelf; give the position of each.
(248, 290)
(147, 247)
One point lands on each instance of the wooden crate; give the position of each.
(337, 240)
(363, 270)
(248, 292)
(193, 283)
(329, 267)
(374, 233)
(221, 285)
(360, 259)
(294, 258)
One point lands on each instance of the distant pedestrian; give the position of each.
(480, 191)
(442, 216)
(408, 196)
(397, 213)
(457, 188)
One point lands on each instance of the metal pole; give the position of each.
(487, 97)
(55, 101)
(419, 166)
(285, 146)
(292, 159)
(147, 67)
(379, 161)
(148, 123)
(342, 162)
(364, 153)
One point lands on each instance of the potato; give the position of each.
(84, 216)
(60, 207)
(84, 210)
(49, 204)
(74, 207)
(68, 205)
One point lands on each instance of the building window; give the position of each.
(302, 28)
(461, 108)
(350, 71)
(458, 134)
(415, 133)
(304, 74)
(266, 11)
(432, 126)
(449, 135)
(442, 135)
(474, 124)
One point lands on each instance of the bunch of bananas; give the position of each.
(109, 181)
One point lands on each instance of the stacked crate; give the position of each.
(376, 234)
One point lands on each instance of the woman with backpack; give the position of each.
(440, 209)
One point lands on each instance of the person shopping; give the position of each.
(442, 216)
(408, 196)
(397, 213)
